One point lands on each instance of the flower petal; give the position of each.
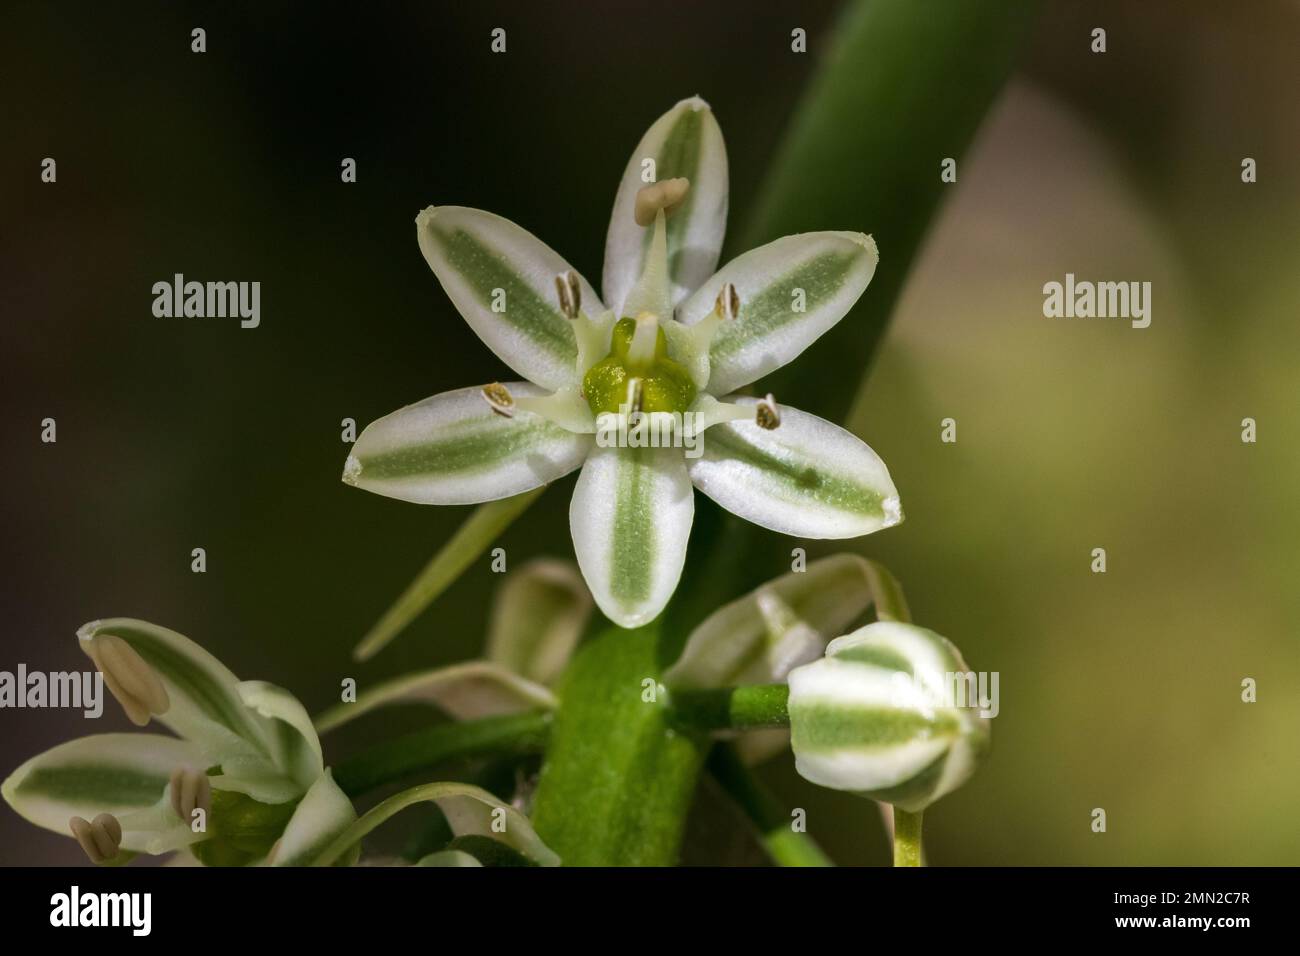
(464, 691)
(204, 704)
(324, 813)
(298, 750)
(453, 449)
(121, 774)
(755, 639)
(540, 613)
(684, 142)
(449, 858)
(791, 291)
(484, 261)
(469, 811)
(808, 477)
(631, 517)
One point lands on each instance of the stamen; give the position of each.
(190, 791)
(129, 677)
(564, 407)
(666, 195)
(766, 414)
(100, 838)
(499, 397)
(727, 305)
(635, 395)
(642, 349)
(570, 292)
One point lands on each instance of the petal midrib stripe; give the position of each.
(477, 446)
(633, 544)
(485, 269)
(106, 784)
(821, 277)
(801, 481)
(830, 725)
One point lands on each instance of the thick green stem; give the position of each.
(786, 845)
(907, 838)
(400, 757)
(751, 707)
(619, 775)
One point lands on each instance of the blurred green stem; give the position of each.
(907, 838)
(786, 846)
(751, 707)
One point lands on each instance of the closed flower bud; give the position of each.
(879, 716)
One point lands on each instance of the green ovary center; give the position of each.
(666, 386)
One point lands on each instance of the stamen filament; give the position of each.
(642, 350)
(190, 791)
(500, 399)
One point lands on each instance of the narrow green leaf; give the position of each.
(470, 540)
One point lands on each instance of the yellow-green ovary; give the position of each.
(666, 386)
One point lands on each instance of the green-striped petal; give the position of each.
(470, 811)
(205, 704)
(484, 261)
(452, 449)
(449, 858)
(323, 814)
(464, 691)
(879, 715)
(297, 747)
(759, 638)
(631, 517)
(539, 614)
(808, 477)
(122, 774)
(684, 142)
(791, 291)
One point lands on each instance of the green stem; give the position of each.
(619, 775)
(751, 707)
(786, 846)
(398, 758)
(470, 540)
(907, 838)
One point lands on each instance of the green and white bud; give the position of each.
(878, 716)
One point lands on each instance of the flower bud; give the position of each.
(879, 716)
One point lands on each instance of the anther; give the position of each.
(569, 290)
(129, 677)
(100, 838)
(635, 395)
(666, 195)
(499, 397)
(728, 302)
(190, 791)
(766, 414)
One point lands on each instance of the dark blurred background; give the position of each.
(1119, 691)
